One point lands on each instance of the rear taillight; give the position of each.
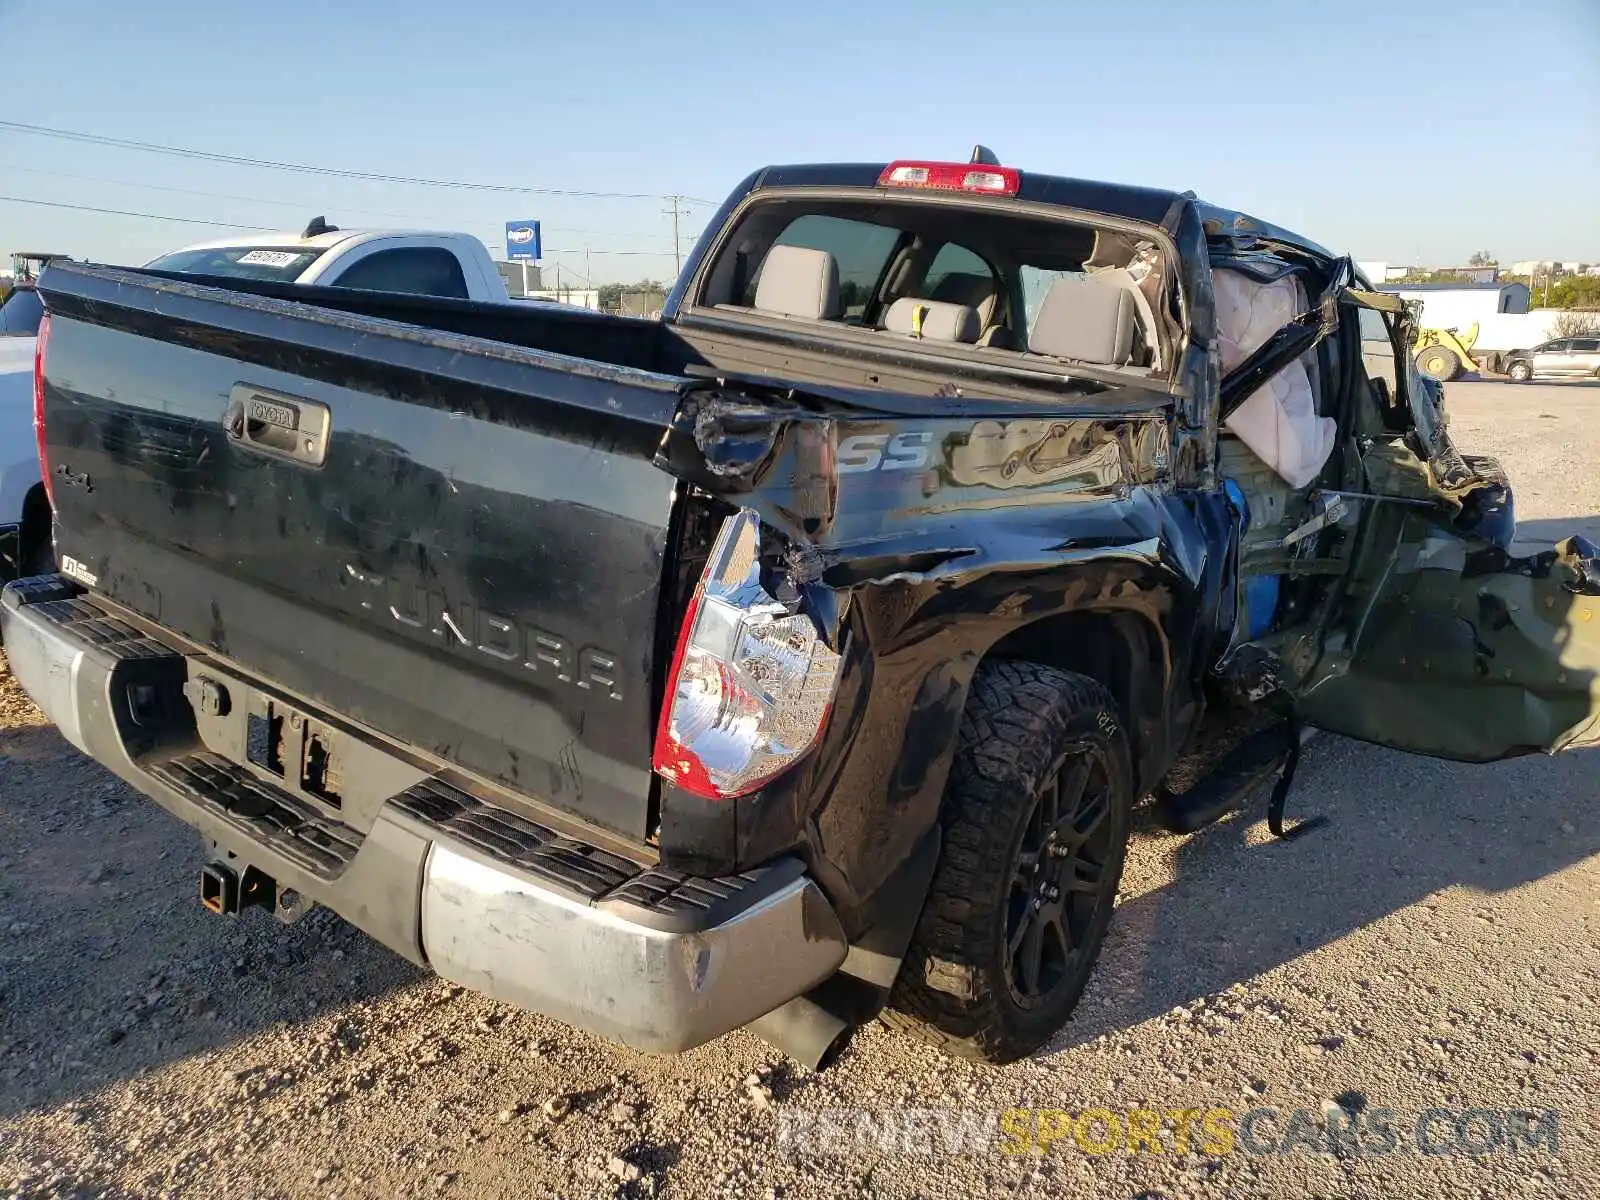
(39, 345)
(953, 177)
(751, 681)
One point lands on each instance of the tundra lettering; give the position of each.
(496, 636)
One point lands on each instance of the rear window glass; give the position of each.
(860, 248)
(285, 264)
(21, 313)
(995, 262)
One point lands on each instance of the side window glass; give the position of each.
(959, 276)
(417, 271)
(1373, 327)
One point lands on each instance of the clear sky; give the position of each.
(1412, 130)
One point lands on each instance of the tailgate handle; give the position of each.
(277, 425)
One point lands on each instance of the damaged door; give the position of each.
(1443, 642)
(1464, 652)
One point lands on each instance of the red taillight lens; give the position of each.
(39, 346)
(953, 177)
(751, 681)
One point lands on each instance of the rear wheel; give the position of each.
(1035, 833)
(37, 550)
(1520, 372)
(40, 559)
(1438, 362)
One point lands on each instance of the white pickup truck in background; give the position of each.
(416, 262)
(376, 260)
(24, 512)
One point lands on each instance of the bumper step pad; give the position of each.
(509, 838)
(594, 874)
(265, 813)
(52, 598)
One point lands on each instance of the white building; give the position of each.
(1382, 272)
(1551, 266)
(1457, 305)
(578, 297)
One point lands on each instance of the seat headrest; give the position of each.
(939, 322)
(1090, 320)
(797, 282)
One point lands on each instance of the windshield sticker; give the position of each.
(270, 258)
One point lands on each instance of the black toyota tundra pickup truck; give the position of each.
(798, 658)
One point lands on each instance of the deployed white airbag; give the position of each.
(1279, 421)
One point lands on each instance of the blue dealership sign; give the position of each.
(522, 241)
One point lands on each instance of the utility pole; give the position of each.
(677, 245)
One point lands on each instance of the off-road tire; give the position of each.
(1024, 724)
(1438, 362)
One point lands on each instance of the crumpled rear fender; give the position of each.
(922, 543)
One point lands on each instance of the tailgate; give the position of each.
(458, 543)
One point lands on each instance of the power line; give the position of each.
(240, 160)
(611, 253)
(159, 187)
(296, 204)
(149, 216)
(117, 212)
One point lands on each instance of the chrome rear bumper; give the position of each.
(647, 957)
(520, 941)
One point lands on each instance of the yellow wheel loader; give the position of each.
(1443, 354)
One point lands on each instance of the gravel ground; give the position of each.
(1437, 945)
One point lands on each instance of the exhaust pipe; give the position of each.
(805, 1031)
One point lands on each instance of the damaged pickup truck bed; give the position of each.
(797, 658)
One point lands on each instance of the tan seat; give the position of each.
(798, 282)
(930, 319)
(980, 293)
(1087, 320)
(1145, 316)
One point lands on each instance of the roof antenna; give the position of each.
(318, 227)
(984, 156)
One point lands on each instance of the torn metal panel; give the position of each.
(1458, 661)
